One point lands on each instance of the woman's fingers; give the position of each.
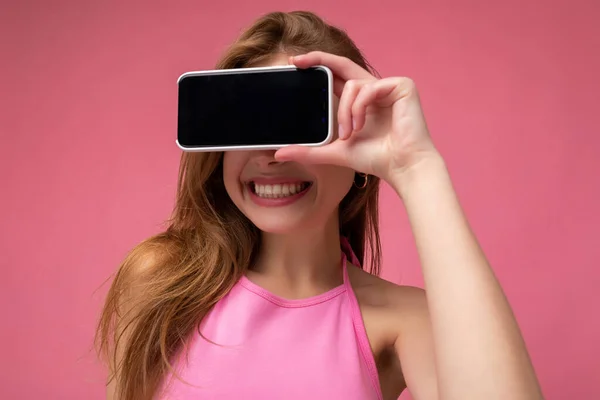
(369, 94)
(348, 97)
(381, 93)
(334, 153)
(338, 86)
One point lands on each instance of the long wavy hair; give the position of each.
(169, 282)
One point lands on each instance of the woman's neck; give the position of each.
(303, 261)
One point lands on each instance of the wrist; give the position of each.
(429, 168)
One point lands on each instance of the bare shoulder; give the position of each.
(395, 319)
(142, 265)
(144, 261)
(377, 292)
(389, 310)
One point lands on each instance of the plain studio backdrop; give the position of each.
(88, 160)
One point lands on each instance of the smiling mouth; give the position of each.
(279, 190)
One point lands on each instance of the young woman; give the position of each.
(256, 290)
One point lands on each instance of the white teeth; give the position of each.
(278, 190)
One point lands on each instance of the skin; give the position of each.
(456, 340)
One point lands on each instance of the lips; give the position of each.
(278, 190)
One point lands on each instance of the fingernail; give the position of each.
(340, 131)
(353, 124)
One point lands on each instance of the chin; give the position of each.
(283, 224)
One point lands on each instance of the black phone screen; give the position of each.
(253, 108)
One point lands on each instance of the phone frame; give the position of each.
(255, 70)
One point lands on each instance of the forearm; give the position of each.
(480, 353)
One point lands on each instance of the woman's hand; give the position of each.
(382, 129)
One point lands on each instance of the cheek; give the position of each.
(233, 163)
(335, 183)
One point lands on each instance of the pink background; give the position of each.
(88, 160)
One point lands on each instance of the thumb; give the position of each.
(329, 154)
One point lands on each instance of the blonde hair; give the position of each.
(168, 283)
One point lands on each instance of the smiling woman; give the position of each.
(257, 288)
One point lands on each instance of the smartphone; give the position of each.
(254, 108)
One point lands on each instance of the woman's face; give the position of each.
(281, 197)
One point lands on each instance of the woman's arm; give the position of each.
(478, 348)
(475, 343)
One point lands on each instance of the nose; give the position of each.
(265, 158)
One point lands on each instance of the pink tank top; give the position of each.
(267, 347)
